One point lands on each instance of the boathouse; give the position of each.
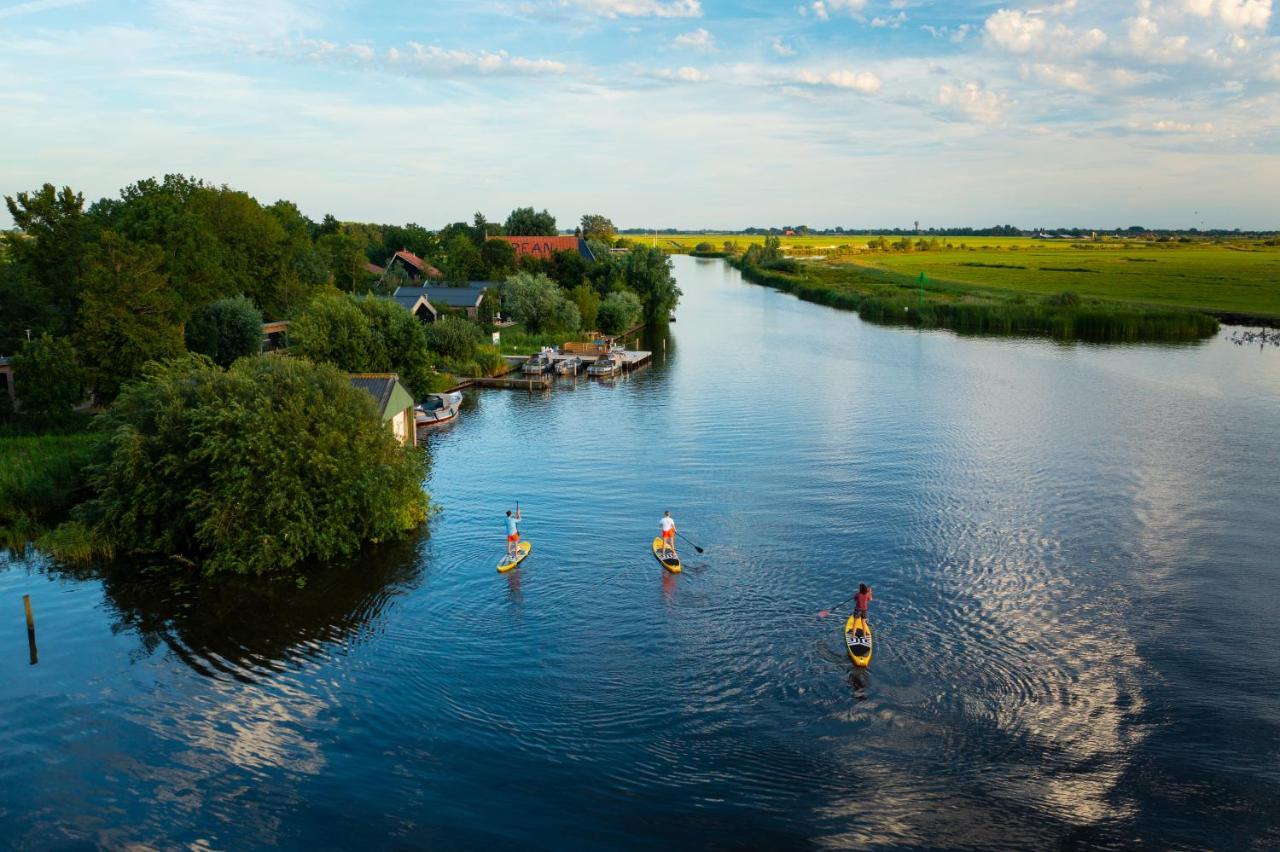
(415, 267)
(546, 247)
(428, 303)
(394, 403)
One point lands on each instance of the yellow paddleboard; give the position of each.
(522, 550)
(671, 563)
(857, 637)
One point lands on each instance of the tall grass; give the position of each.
(41, 477)
(1099, 322)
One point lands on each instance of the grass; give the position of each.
(1236, 281)
(41, 478)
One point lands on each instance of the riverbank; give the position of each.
(890, 300)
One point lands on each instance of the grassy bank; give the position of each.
(887, 300)
(41, 478)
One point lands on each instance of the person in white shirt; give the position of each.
(668, 528)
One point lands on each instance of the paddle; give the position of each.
(691, 544)
(823, 613)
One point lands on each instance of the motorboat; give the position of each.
(543, 362)
(570, 366)
(608, 364)
(437, 408)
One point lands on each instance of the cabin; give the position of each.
(415, 267)
(547, 247)
(275, 336)
(394, 403)
(427, 303)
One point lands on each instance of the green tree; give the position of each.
(24, 306)
(50, 246)
(400, 344)
(344, 256)
(129, 314)
(498, 258)
(647, 272)
(462, 261)
(215, 466)
(596, 226)
(619, 311)
(225, 330)
(524, 222)
(588, 302)
(538, 303)
(333, 330)
(454, 338)
(48, 379)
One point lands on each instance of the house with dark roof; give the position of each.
(393, 401)
(427, 303)
(546, 247)
(415, 267)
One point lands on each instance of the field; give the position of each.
(1236, 281)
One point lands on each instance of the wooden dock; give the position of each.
(514, 379)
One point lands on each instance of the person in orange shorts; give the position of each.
(668, 528)
(513, 534)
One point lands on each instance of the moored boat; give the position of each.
(437, 408)
(608, 364)
(570, 366)
(540, 363)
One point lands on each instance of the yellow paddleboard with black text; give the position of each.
(671, 563)
(522, 550)
(857, 638)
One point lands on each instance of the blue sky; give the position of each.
(688, 113)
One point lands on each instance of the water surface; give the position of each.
(1073, 550)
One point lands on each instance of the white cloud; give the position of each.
(1146, 42)
(778, 46)
(699, 39)
(1170, 126)
(421, 60)
(1056, 75)
(823, 9)
(640, 8)
(684, 74)
(1235, 14)
(971, 101)
(1015, 30)
(891, 22)
(34, 6)
(857, 81)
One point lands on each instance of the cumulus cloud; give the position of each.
(699, 39)
(1147, 42)
(1056, 75)
(857, 81)
(1015, 30)
(781, 48)
(891, 22)
(970, 101)
(424, 60)
(823, 9)
(684, 74)
(1171, 126)
(640, 8)
(1235, 14)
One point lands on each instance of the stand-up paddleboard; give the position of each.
(857, 636)
(522, 550)
(671, 563)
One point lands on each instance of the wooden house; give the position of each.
(394, 403)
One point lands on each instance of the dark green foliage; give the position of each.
(524, 222)
(646, 271)
(539, 303)
(225, 330)
(41, 477)
(454, 338)
(48, 379)
(366, 335)
(48, 250)
(128, 316)
(1065, 299)
(462, 260)
(704, 247)
(595, 226)
(344, 255)
(24, 306)
(588, 302)
(251, 470)
(499, 259)
(566, 268)
(619, 311)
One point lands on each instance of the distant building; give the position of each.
(275, 335)
(427, 303)
(374, 269)
(547, 246)
(415, 267)
(6, 372)
(394, 403)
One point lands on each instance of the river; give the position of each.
(1074, 551)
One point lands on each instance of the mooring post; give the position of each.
(31, 629)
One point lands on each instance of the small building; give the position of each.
(6, 373)
(374, 269)
(275, 336)
(427, 303)
(546, 247)
(394, 402)
(415, 267)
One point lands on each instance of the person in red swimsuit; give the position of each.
(862, 600)
(668, 528)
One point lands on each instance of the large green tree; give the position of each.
(596, 226)
(129, 314)
(619, 311)
(48, 378)
(49, 247)
(252, 470)
(225, 330)
(499, 259)
(345, 257)
(538, 302)
(462, 261)
(646, 271)
(526, 222)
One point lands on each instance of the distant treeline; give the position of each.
(993, 231)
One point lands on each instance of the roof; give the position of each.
(417, 263)
(374, 268)
(547, 246)
(388, 394)
(452, 297)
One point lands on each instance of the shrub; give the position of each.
(214, 466)
(538, 303)
(704, 246)
(47, 377)
(1065, 299)
(619, 311)
(588, 302)
(225, 330)
(454, 338)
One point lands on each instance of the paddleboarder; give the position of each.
(668, 528)
(861, 600)
(513, 534)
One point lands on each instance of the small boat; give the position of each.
(857, 636)
(671, 563)
(608, 364)
(437, 408)
(570, 366)
(522, 550)
(540, 363)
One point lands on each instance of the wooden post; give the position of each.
(31, 629)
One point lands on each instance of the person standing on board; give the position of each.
(668, 528)
(862, 600)
(513, 534)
